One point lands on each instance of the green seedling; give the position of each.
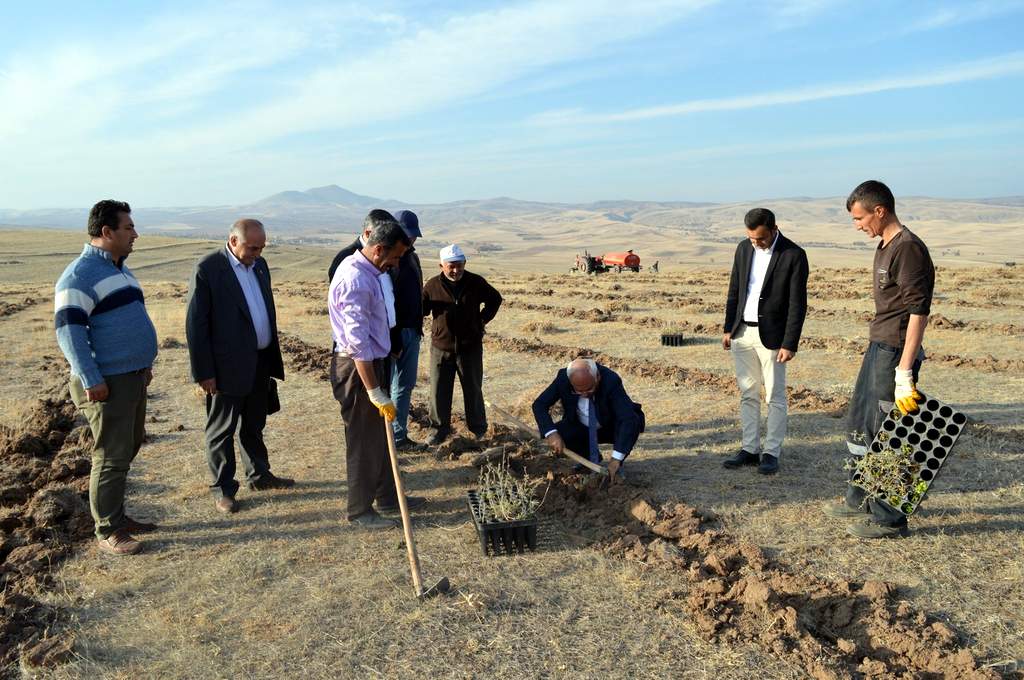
(889, 476)
(504, 497)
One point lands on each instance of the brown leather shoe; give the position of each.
(119, 543)
(133, 526)
(227, 504)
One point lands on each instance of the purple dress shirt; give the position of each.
(358, 311)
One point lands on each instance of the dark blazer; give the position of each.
(221, 338)
(409, 292)
(615, 409)
(783, 302)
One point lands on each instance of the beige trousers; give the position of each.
(756, 367)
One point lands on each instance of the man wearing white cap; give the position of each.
(462, 304)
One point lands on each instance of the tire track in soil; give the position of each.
(832, 630)
(44, 516)
(800, 398)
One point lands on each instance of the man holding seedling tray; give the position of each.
(903, 282)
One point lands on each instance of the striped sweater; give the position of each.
(101, 320)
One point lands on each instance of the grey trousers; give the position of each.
(223, 413)
(873, 397)
(367, 463)
(469, 366)
(118, 427)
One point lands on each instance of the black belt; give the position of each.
(751, 324)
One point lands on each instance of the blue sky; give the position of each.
(194, 103)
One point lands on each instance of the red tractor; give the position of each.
(595, 264)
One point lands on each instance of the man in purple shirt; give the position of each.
(361, 367)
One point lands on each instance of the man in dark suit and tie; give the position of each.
(231, 326)
(764, 316)
(596, 411)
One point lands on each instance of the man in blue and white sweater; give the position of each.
(110, 342)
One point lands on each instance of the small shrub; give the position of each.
(889, 476)
(505, 497)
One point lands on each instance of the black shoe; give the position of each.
(269, 481)
(769, 464)
(371, 520)
(740, 459)
(411, 502)
(438, 438)
(408, 445)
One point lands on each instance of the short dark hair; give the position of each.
(105, 214)
(760, 217)
(375, 217)
(388, 233)
(870, 195)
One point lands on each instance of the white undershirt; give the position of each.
(758, 269)
(583, 412)
(387, 287)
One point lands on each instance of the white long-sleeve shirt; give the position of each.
(758, 269)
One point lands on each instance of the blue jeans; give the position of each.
(403, 379)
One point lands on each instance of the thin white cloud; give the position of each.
(1006, 65)
(964, 12)
(163, 104)
(430, 67)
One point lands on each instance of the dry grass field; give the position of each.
(285, 588)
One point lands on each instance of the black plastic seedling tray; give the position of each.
(927, 436)
(497, 538)
(675, 340)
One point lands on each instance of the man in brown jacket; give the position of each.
(462, 303)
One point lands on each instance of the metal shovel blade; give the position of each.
(439, 588)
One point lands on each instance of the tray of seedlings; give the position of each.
(908, 453)
(504, 508)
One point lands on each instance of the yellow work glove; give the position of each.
(383, 402)
(907, 395)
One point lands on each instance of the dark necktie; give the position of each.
(595, 452)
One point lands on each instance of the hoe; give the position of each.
(442, 586)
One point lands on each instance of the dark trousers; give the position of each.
(223, 411)
(118, 427)
(469, 366)
(577, 439)
(367, 463)
(874, 396)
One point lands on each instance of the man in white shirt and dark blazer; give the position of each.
(764, 316)
(596, 411)
(231, 326)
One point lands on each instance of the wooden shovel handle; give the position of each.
(410, 544)
(566, 452)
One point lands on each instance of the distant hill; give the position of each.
(976, 229)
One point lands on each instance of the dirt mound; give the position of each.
(306, 357)
(44, 468)
(9, 308)
(831, 629)
(170, 291)
(989, 363)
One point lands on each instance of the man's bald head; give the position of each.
(583, 375)
(247, 240)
